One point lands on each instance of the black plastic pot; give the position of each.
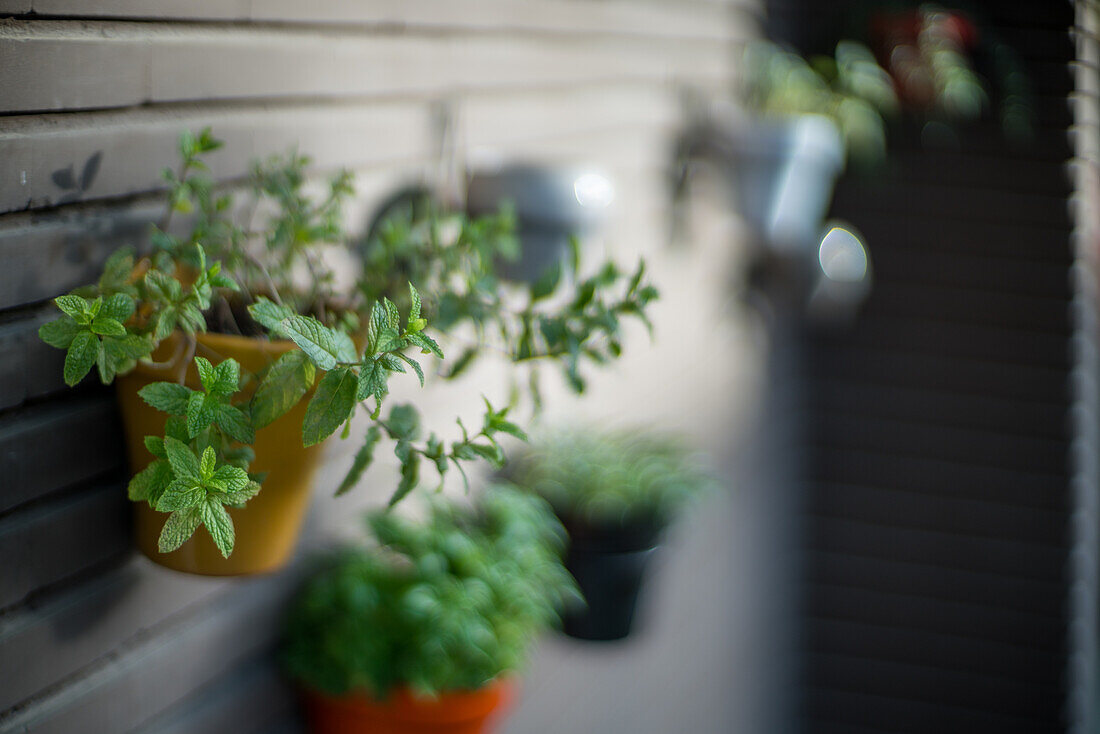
(609, 564)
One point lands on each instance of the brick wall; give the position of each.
(96, 639)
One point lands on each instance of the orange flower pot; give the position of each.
(267, 527)
(453, 712)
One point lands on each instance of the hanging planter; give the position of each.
(236, 354)
(424, 630)
(614, 493)
(267, 527)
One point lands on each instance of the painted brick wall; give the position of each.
(92, 637)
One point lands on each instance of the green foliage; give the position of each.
(446, 603)
(611, 477)
(233, 275)
(850, 89)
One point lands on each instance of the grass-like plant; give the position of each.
(611, 478)
(258, 269)
(445, 603)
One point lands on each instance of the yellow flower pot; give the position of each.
(267, 527)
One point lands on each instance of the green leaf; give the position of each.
(238, 497)
(180, 494)
(463, 362)
(414, 364)
(206, 373)
(184, 462)
(393, 316)
(372, 380)
(331, 405)
(72, 305)
(107, 327)
(363, 458)
(207, 463)
(155, 446)
(218, 524)
(271, 316)
(410, 475)
(286, 382)
(179, 527)
(510, 428)
(426, 343)
(375, 327)
(149, 483)
(234, 423)
(229, 479)
(167, 397)
(414, 310)
(119, 307)
(201, 411)
(59, 332)
(227, 378)
(81, 356)
(547, 283)
(313, 338)
(491, 453)
(403, 423)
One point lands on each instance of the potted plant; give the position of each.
(424, 630)
(614, 492)
(237, 352)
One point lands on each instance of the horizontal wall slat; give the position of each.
(956, 585)
(58, 539)
(935, 511)
(848, 464)
(705, 20)
(1013, 558)
(56, 445)
(59, 636)
(145, 680)
(29, 368)
(252, 698)
(925, 405)
(61, 65)
(132, 148)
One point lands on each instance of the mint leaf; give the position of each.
(105, 326)
(227, 378)
(179, 527)
(155, 446)
(547, 283)
(234, 423)
(119, 307)
(206, 373)
(426, 344)
(218, 524)
(167, 397)
(229, 479)
(201, 411)
(410, 475)
(60, 332)
(363, 458)
(180, 494)
(184, 462)
(414, 310)
(331, 405)
(313, 338)
(415, 365)
(207, 463)
(373, 376)
(82, 354)
(72, 305)
(271, 316)
(403, 423)
(149, 483)
(286, 382)
(393, 316)
(238, 497)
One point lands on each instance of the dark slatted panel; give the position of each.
(937, 496)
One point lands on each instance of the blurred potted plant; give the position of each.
(240, 334)
(615, 492)
(425, 632)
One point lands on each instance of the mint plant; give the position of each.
(268, 279)
(446, 603)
